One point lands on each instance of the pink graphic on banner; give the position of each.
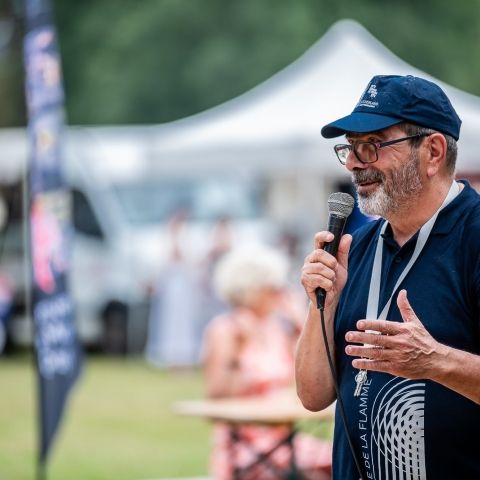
(48, 251)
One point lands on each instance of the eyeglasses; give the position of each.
(367, 152)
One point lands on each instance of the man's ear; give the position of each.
(436, 153)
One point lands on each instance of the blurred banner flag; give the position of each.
(57, 348)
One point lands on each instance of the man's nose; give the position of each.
(353, 162)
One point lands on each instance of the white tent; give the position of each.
(277, 124)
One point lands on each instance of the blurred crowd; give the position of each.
(236, 313)
(188, 294)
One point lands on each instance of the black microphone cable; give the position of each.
(337, 390)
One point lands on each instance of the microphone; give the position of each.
(340, 206)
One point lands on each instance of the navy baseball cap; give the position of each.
(392, 99)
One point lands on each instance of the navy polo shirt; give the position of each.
(414, 429)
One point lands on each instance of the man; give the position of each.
(409, 376)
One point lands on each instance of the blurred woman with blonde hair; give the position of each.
(249, 351)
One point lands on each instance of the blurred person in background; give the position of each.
(173, 339)
(220, 241)
(249, 351)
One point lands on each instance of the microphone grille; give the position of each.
(340, 204)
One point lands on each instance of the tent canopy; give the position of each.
(279, 121)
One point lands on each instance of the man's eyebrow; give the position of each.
(352, 136)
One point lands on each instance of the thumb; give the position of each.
(343, 249)
(405, 308)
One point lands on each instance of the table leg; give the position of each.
(263, 458)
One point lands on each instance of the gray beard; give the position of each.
(393, 192)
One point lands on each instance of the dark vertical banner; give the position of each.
(58, 355)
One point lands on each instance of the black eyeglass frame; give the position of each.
(377, 146)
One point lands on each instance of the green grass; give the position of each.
(118, 425)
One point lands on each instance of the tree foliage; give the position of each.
(153, 61)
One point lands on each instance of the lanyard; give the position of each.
(374, 291)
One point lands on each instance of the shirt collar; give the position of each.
(449, 216)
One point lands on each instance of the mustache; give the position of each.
(367, 176)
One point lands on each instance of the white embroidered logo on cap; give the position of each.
(372, 91)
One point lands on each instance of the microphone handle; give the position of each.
(336, 224)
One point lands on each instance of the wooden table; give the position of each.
(283, 408)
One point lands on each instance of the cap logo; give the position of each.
(371, 92)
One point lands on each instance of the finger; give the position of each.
(373, 365)
(321, 238)
(318, 269)
(371, 353)
(321, 256)
(385, 327)
(370, 339)
(343, 249)
(312, 282)
(405, 308)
